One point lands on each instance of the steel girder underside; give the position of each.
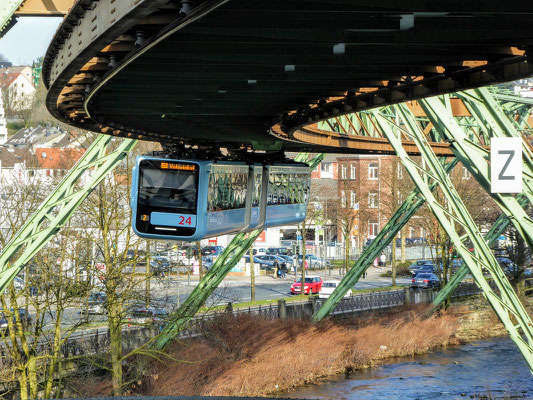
(261, 73)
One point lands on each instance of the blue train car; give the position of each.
(178, 199)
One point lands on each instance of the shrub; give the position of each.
(402, 269)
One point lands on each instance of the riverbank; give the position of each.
(247, 356)
(250, 356)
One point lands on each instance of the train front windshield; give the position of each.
(163, 188)
(167, 197)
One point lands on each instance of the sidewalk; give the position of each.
(373, 274)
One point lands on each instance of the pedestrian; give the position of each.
(364, 274)
(276, 268)
(383, 259)
(376, 261)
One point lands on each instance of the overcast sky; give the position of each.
(28, 39)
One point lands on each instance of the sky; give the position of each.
(28, 39)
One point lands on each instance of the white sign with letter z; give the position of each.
(506, 165)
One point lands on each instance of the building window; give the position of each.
(411, 232)
(343, 199)
(372, 200)
(399, 197)
(343, 171)
(372, 230)
(373, 171)
(400, 171)
(352, 199)
(466, 174)
(352, 171)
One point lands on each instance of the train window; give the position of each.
(168, 188)
(227, 187)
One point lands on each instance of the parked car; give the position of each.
(289, 261)
(212, 250)
(140, 314)
(260, 251)
(312, 285)
(263, 264)
(425, 280)
(25, 318)
(273, 259)
(314, 262)
(424, 266)
(328, 287)
(280, 251)
(417, 264)
(97, 303)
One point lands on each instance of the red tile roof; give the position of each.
(58, 158)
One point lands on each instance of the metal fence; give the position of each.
(370, 301)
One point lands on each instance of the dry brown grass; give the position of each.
(250, 356)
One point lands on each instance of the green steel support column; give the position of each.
(499, 226)
(402, 215)
(59, 206)
(506, 304)
(238, 246)
(481, 103)
(231, 255)
(474, 157)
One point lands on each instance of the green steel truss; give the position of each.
(505, 303)
(499, 226)
(401, 216)
(231, 255)
(7, 9)
(59, 206)
(473, 156)
(486, 109)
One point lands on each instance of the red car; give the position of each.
(312, 285)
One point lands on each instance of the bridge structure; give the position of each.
(276, 76)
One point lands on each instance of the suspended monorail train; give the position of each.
(180, 199)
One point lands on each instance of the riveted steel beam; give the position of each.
(473, 156)
(499, 226)
(401, 216)
(482, 104)
(505, 303)
(58, 207)
(7, 9)
(231, 255)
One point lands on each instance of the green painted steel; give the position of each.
(506, 304)
(7, 9)
(499, 226)
(474, 157)
(482, 104)
(238, 246)
(401, 216)
(59, 206)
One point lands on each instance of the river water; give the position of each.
(492, 368)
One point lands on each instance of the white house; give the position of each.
(17, 90)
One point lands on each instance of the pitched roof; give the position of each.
(52, 158)
(7, 79)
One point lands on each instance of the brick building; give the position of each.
(370, 188)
